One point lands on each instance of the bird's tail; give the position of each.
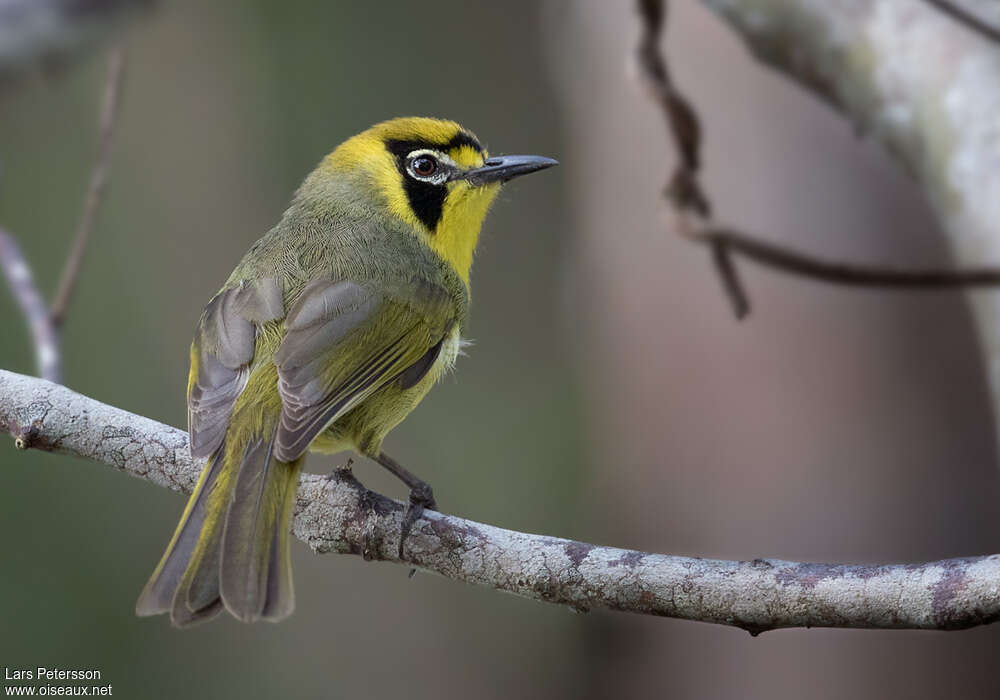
(231, 546)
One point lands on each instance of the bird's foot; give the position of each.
(421, 497)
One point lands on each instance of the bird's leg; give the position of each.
(421, 495)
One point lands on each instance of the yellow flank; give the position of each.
(381, 416)
(465, 208)
(193, 372)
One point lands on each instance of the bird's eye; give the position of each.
(424, 166)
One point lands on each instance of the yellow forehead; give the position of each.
(417, 129)
(467, 156)
(439, 134)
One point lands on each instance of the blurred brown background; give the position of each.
(609, 397)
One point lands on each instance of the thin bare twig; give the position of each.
(781, 258)
(683, 189)
(963, 16)
(43, 320)
(335, 513)
(683, 126)
(22, 286)
(96, 188)
(731, 283)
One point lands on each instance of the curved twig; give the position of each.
(335, 513)
(683, 190)
(44, 334)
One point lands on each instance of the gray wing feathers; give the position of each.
(326, 313)
(333, 355)
(302, 421)
(223, 349)
(412, 375)
(259, 301)
(210, 403)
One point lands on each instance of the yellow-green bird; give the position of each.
(328, 333)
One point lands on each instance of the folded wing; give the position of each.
(221, 354)
(344, 341)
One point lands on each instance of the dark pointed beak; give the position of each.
(504, 168)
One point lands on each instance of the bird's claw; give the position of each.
(421, 498)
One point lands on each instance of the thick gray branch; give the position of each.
(920, 82)
(337, 514)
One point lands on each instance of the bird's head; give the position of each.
(433, 175)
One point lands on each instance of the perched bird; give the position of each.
(329, 332)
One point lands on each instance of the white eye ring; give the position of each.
(445, 166)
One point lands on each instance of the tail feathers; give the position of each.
(197, 596)
(231, 547)
(280, 592)
(158, 595)
(255, 573)
(183, 616)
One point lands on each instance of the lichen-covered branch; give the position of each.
(335, 513)
(920, 82)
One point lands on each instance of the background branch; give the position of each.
(836, 272)
(20, 281)
(692, 204)
(337, 514)
(95, 189)
(682, 122)
(683, 189)
(921, 84)
(45, 321)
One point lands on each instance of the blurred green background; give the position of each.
(608, 396)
